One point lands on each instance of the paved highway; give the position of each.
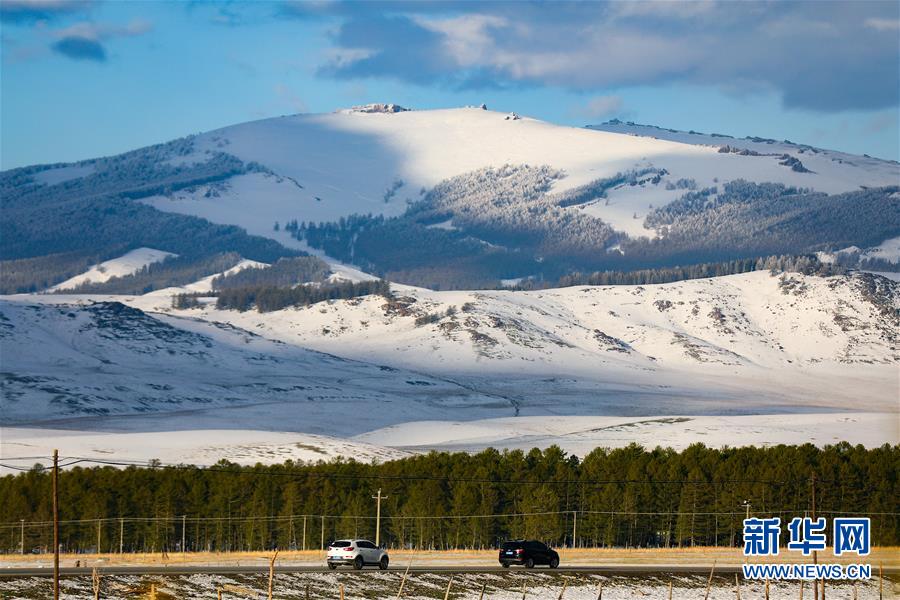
(260, 569)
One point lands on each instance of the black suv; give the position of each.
(528, 553)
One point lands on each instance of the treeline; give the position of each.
(284, 273)
(269, 298)
(405, 251)
(476, 229)
(808, 265)
(856, 260)
(625, 497)
(29, 275)
(752, 219)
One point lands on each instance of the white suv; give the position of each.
(357, 553)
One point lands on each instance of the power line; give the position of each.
(277, 518)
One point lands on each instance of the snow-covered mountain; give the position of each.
(393, 156)
(492, 197)
(675, 361)
(447, 198)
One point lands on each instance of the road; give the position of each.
(258, 569)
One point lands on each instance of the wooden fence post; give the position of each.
(600, 591)
(670, 590)
(95, 582)
(342, 591)
(272, 572)
(767, 589)
(801, 589)
(449, 583)
(562, 592)
(709, 581)
(403, 581)
(481, 595)
(737, 586)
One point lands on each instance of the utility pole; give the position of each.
(98, 535)
(22, 536)
(812, 482)
(121, 534)
(322, 541)
(183, 526)
(747, 506)
(55, 524)
(379, 498)
(574, 527)
(304, 532)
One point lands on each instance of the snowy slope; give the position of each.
(107, 366)
(492, 367)
(201, 447)
(718, 360)
(127, 264)
(580, 435)
(888, 250)
(330, 165)
(794, 340)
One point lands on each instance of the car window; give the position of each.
(339, 544)
(365, 544)
(511, 545)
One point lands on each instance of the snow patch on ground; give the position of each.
(888, 250)
(127, 264)
(580, 435)
(200, 447)
(539, 584)
(62, 174)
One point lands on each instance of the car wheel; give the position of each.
(554, 562)
(358, 563)
(529, 563)
(505, 565)
(383, 564)
(332, 566)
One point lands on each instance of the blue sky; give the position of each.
(84, 78)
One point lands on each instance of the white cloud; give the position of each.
(883, 24)
(816, 55)
(466, 38)
(599, 107)
(90, 30)
(663, 8)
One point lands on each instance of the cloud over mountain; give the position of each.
(823, 56)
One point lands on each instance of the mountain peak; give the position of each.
(377, 107)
